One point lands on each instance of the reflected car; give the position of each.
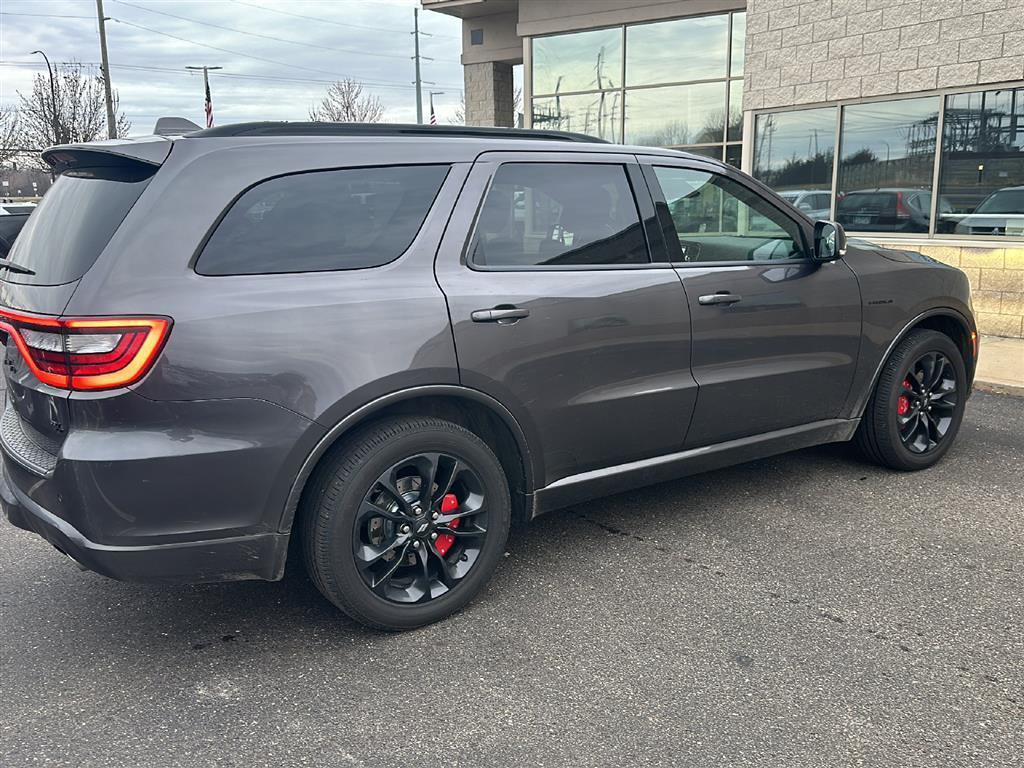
(16, 209)
(888, 210)
(814, 202)
(1001, 213)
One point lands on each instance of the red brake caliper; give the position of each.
(903, 404)
(445, 540)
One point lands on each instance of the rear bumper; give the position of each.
(257, 556)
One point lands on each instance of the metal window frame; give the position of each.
(841, 104)
(730, 80)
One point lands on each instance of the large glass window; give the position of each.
(682, 83)
(683, 49)
(328, 220)
(596, 114)
(887, 163)
(559, 214)
(717, 219)
(982, 166)
(676, 115)
(887, 158)
(581, 61)
(793, 154)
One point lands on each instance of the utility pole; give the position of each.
(107, 91)
(53, 101)
(419, 82)
(207, 99)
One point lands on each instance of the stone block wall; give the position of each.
(810, 51)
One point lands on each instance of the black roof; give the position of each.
(386, 129)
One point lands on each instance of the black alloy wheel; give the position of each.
(420, 528)
(915, 411)
(405, 521)
(927, 402)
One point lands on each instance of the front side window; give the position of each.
(559, 214)
(717, 219)
(323, 221)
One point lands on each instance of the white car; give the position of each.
(1001, 213)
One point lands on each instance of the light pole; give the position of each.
(53, 99)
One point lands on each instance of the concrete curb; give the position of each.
(998, 388)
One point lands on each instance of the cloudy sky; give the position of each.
(278, 56)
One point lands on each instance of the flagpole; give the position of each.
(207, 101)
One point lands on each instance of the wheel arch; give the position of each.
(947, 321)
(476, 411)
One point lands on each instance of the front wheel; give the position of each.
(406, 521)
(914, 414)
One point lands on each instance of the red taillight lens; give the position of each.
(86, 353)
(901, 210)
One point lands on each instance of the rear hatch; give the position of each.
(60, 242)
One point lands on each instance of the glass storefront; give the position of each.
(886, 164)
(674, 83)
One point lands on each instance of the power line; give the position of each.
(233, 76)
(272, 78)
(225, 50)
(259, 35)
(331, 21)
(46, 15)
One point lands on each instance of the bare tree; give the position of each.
(9, 133)
(345, 102)
(72, 111)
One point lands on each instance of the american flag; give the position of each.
(208, 106)
(433, 117)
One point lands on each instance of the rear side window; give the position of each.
(323, 221)
(558, 214)
(74, 222)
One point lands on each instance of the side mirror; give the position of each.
(829, 241)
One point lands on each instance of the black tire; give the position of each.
(879, 436)
(341, 484)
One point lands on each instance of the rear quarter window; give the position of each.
(323, 221)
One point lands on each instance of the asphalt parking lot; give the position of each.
(807, 610)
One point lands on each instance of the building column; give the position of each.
(489, 95)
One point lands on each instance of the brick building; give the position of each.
(903, 120)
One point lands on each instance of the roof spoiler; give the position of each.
(174, 126)
(148, 152)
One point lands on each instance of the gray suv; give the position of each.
(388, 342)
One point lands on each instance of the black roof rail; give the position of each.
(386, 129)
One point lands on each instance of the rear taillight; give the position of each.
(902, 212)
(86, 353)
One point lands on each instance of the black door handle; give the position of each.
(719, 298)
(504, 315)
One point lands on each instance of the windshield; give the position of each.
(73, 224)
(1004, 201)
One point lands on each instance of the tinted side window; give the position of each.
(717, 219)
(327, 220)
(557, 214)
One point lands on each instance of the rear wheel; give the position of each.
(406, 521)
(915, 411)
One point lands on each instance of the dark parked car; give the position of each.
(387, 342)
(888, 210)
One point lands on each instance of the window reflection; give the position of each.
(982, 172)
(886, 163)
(794, 153)
(582, 61)
(595, 114)
(677, 51)
(682, 114)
